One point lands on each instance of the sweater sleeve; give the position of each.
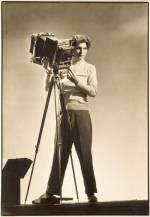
(90, 88)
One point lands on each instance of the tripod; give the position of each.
(54, 82)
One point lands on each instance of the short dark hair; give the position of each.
(77, 39)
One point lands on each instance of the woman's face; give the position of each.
(80, 51)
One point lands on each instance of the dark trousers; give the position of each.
(80, 133)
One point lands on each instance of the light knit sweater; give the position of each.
(76, 95)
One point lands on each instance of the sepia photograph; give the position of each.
(74, 108)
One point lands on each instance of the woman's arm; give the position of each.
(90, 88)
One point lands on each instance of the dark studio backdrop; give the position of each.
(118, 32)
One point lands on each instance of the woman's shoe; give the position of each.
(92, 198)
(46, 199)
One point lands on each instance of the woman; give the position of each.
(81, 81)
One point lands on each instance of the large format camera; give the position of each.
(58, 52)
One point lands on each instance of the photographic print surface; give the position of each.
(119, 51)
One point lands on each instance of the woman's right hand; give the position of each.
(45, 62)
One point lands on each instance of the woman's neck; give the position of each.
(77, 61)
